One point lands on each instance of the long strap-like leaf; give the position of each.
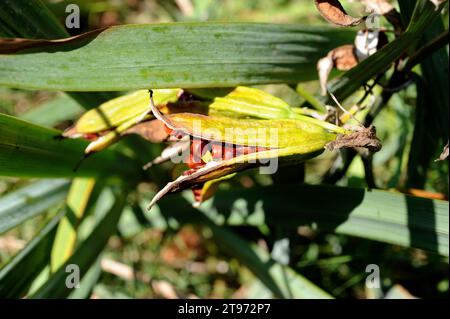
(373, 214)
(184, 55)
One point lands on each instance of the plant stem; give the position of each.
(426, 50)
(328, 126)
(310, 98)
(308, 112)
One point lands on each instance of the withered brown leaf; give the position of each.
(13, 45)
(364, 138)
(343, 58)
(334, 12)
(153, 131)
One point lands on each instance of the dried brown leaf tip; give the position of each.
(13, 45)
(334, 12)
(378, 6)
(342, 58)
(366, 137)
(384, 8)
(153, 131)
(444, 154)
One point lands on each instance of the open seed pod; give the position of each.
(220, 146)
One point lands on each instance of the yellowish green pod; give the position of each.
(117, 111)
(120, 114)
(280, 140)
(279, 133)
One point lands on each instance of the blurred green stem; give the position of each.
(431, 47)
(310, 98)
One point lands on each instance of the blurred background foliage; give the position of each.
(152, 256)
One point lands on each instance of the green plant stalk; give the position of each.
(326, 125)
(425, 51)
(310, 98)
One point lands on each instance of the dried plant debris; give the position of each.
(342, 58)
(153, 131)
(334, 12)
(437, 3)
(378, 6)
(168, 153)
(331, 115)
(14, 45)
(345, 57)
(363, 138)
(444, 154)
(384, 8)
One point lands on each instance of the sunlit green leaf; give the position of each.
(378, 215)
(184, 55)
(29, 150)
(18, 274)
(29, 201)
(66, 235)
(85, 254)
